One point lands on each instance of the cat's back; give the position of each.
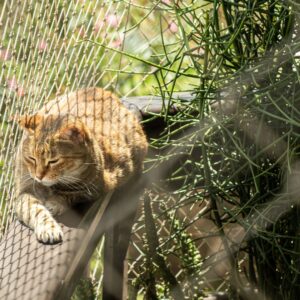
(83, 103)
(100, 110)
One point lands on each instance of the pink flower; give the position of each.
(43, 45)
(173, 27)
(13, 85)
(5, 54)
(201, 51)
(112, 20)
(20, 91)
(82, 32)
(166, 1)
(98, 26)
(117, 42)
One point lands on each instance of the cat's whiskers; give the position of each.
(67, 184)
(26, 179)
(69, 179)
(70, 182)
(90, 185)
(74, 182)
(34, 186)
(73, 178)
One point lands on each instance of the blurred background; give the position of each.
(221, 211)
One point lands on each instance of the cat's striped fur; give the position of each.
(78, 147)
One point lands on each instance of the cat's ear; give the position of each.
(74, 132)
(28, 122)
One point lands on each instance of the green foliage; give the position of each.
(237, 141)
(84, 290)
(230, 154)
(50, 40)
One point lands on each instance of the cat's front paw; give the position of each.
(49, 232)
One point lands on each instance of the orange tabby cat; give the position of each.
(76, 148)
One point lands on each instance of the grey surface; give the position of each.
(31, 270)
(148, 105)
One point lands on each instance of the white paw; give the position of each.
(49, 232)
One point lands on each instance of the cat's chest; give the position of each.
(42, 192)
(83, 194)
(79, 194)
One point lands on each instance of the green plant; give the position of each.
(229, 157)
(236, 142)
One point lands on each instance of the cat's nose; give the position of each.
(39, 175)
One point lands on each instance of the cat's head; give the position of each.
(55, 148)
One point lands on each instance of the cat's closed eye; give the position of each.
(53, 161)
(31, 159)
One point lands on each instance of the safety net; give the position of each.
(220, 213)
